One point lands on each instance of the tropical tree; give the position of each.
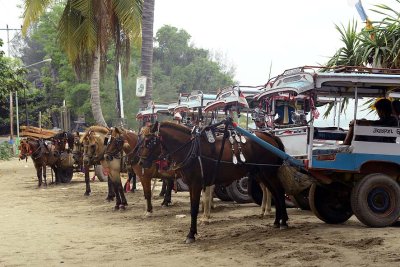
(86, 29)
(146, 64)
(11, 77)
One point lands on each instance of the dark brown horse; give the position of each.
(124, 144)
(42, 155)
(197, 159)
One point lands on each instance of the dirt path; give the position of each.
(59, 226)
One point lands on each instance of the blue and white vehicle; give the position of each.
(361, 178)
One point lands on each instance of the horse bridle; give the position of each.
(117, 153)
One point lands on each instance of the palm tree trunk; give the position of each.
(147, 48)
(95, 90)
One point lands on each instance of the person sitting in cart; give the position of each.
(386, 119)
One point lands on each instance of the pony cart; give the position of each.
(48, 148)
(360, 177)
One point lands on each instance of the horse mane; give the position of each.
(173, 125)
(281, 146)
(95, 128)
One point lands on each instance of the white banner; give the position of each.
(141, 86)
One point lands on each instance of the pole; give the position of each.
(40, 119)
(121, 102)
(26, 108)
(16, 111)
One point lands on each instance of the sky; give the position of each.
(252, 35)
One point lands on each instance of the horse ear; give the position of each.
(154, 128)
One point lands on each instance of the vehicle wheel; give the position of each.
(254, 191)
(98, 171)
(375, 200)
(300, 200)
(65, 174)
(220, 192)
(237, 190)
(331, 203)
(181, 185)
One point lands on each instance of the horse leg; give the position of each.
(87, 180)
(124, 203)
(39, 174)
(115, 185)
(44, 175)
(163, 188)
(195, 191)
(146, 184)
(266, 201)
(168, 190)
(111, 190)
(206, 202)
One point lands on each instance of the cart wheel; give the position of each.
(65, 174)
(300, 200)
(375, 200)
(181, 185)
(220, 192)
(330, 203)
(237, 190)
(254, 191)
(98, 171)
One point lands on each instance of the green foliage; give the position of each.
(5, 151)
(180, 67)
(11, 77)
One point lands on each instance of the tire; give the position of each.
(238, 191)
(375, 200)
(65, 174)
(220, 192)
(98, 171)
(181, 185)
(331, 203)
(254, 191)
(300, 200)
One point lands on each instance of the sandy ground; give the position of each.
(59, 226)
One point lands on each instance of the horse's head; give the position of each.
(114, 143)
(25, 149)
(92, 147)
(150, 145)
(77, 149)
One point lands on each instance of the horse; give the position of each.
(126, 142)
(60, 141)
(93, 145)
(194, 156)
(42, 155)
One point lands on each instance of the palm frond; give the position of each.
(33, 9)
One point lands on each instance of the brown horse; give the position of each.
(42, 155)
(197, 159)
(93, 145)
(123, 144)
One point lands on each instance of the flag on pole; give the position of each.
(361, 11)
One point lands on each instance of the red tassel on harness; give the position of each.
(93, 178)
(128, 186)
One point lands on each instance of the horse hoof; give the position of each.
(283, 227)
(109, 199)
(276, 225)
(86, 194)
(147, 214)
(116, 207)
(204, 221)
(190, 240)
(122, 207)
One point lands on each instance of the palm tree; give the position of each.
(349, 54)
(85, 31)
(147, 48)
